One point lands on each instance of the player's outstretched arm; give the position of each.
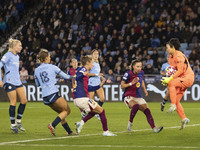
(64, 75)
(92, 74)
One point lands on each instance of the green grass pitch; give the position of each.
(37, 136)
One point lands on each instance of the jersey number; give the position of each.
(44, 77)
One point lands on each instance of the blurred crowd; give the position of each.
(11, 13)
(120, 29)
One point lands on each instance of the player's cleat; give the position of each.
(162, 106)
(51, 128)
(79, 127)
(108, 133)
(83, 114)
(157, 129)
(71, 134)
(184, 122)
(129, 127)
(97, 116)
(14, 129)
(19, 125)
(171, 108)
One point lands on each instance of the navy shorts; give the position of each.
(51, 98)
(10, 87)
(93, 88)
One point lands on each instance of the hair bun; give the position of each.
(10, 40)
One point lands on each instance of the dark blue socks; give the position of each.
(20, 111)
(67, 128)
(100, 103)
(12, 114)
(164, 101)
(56, 121)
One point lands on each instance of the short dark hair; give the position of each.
(174, 42)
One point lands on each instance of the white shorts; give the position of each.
(85, 103)
(140, 101)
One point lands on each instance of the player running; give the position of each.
(82, 100)
(180, 81)
(12, 83)
(45, 77)
(96, 80)
(132, 82)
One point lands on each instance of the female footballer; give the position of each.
(179, 81)
(96, 80)
(82, 100)
(12, 83)
(45, 77)
(132, 82)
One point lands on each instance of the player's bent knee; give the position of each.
(101, 110)
(68, 110)
(66, 113)
(24, 101)
(143, 107)
(13, 103)
(98, 109)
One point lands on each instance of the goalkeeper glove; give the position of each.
(165, 80)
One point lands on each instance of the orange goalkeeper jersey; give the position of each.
(182, 65)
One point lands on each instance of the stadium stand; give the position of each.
(121, 30)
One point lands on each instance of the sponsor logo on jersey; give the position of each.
(138, 85)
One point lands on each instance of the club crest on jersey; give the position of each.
(3, 58)
(138, 84)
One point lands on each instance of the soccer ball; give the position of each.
(170, 71)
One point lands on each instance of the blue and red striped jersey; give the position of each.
(134, 90)
(80, 84)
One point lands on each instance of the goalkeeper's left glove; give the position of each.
(165, 80)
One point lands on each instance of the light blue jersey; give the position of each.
(45, 76)
(164, 66)
(10, 62)
(95, 80)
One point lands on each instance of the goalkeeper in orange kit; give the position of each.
(180, 81)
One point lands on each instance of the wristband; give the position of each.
(130, 84)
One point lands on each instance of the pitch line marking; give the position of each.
(105, 146)
(66, 137)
